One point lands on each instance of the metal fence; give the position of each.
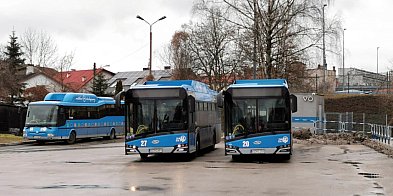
(373, 126)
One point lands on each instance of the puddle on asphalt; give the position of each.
(216, 167)
(144, 188)
(77, 162)
(162, 178)
(369, 175)
(307, 162)
(352, 162)
(75, 186)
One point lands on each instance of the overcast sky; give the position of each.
(108, 32)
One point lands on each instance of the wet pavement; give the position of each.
(101, 168)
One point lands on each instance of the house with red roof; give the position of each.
(67, 81)
(40, 76)
(81, 80)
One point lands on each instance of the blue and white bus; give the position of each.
(257, 118)
(178, 116)
(69, 116)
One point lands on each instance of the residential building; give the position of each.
(322, 82)
(40, 76)
(81, 81)
(136, 77)
(357, 79)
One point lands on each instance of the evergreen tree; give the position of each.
(99, 84)
(14, 53)
(119, 87)
(14, 61)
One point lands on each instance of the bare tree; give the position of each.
(8, 81)
(39, 47)
(211, 45)
(282, 32)
(64, 64)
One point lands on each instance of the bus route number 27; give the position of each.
(143, 142)
(246, 143)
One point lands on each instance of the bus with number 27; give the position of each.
(170, 117)
(257, 118)
(69, 116)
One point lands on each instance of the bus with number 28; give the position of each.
(257, 118)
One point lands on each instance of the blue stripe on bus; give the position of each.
(304, 119)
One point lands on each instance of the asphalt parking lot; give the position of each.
(101, 168)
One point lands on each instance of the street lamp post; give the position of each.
(151, 38)
(344, 58)
(323, 48)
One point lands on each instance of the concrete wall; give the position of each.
(310, 109)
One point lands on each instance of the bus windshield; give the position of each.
(251, 116)
(160, 116)
(42, 115)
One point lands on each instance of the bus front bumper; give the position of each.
(44, 137)
(230, 150)
(156, 150)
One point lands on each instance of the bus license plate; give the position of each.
(36, 136)
(156, 150)
(258, 151)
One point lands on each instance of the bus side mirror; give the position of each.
(293, 103)
(118, 98)
(191, 104)
(220, 100)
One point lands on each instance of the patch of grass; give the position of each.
(9, 138)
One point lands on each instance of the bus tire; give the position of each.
(111, 136)
(236, 158)
(40, 142)
(72, 138)
(213, 146)
(198, 147)
(143, 156)
(286, 157)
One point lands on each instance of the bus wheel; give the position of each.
(143, 156)
(112, 135)
(40, 142)
(198, 147)
(72, 138)
(236, 157)
(213, 146)
(286, 157)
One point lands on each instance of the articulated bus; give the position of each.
(69, 116)
(168, 117)
(257, 118)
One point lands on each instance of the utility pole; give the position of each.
(323, 48)
(255, 41)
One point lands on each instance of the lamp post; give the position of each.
(151, 37)
(344, 57)
(377, 59)
(323, 48)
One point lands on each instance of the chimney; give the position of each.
(334, 68)
(73, 70)
(167, 67)
(83, 78)
(145, 68)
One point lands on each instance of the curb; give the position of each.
(15, 143)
